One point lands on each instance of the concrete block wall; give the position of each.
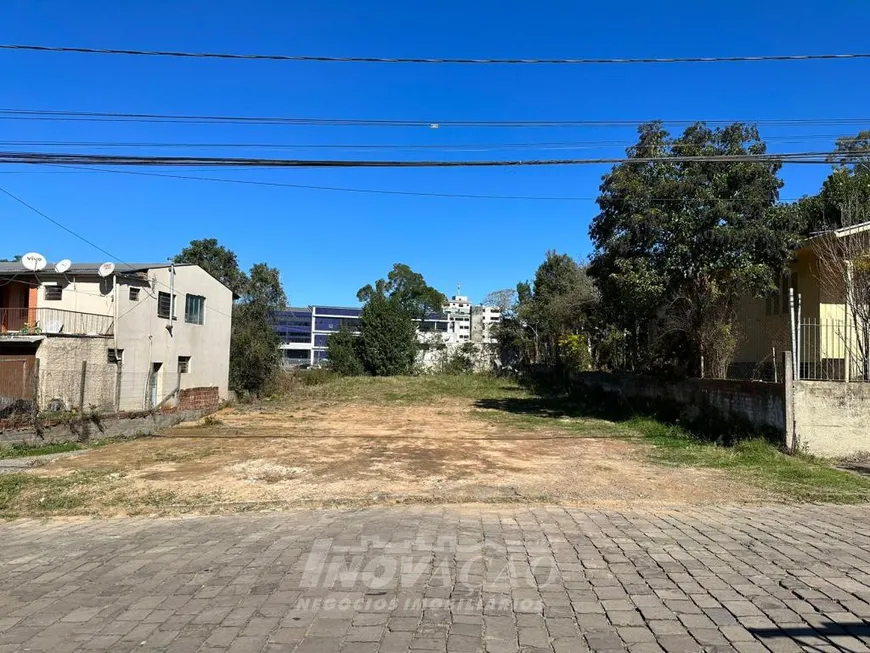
(60, 368)
(832, 419)
(717, 407)
(199, 398)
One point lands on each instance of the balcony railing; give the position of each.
(35, 321)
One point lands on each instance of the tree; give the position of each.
(264, 285)
(537, 323)
(505, 300)
(408, 289)
(217, 260)
(254, 354)
(388, 345)
(345, 353)
(678, 242)
(14, 259)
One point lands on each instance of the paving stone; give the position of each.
(713, 579)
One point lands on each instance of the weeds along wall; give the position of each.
(718, 409)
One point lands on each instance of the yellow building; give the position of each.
(826, 335)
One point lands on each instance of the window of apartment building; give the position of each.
(53, 293)
(134, 294)
(194, 309)
(183, 364)
(115, 356)
(164, 304)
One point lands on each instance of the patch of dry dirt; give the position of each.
(363, 453)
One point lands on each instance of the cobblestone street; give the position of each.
(457, 579)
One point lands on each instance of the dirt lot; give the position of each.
(388, 442)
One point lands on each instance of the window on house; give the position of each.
(164, 304)
(53, 293)
(134, 294)
(183, 364)
(194, 309)
(115, 356)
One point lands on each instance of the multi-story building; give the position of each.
(304, 332)
(141, 335)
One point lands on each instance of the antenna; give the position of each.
(33, 261)
(62, 266)
(106, 269)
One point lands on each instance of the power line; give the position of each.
(41, 158)
(93, 244)
(98, 116)
(448, 147)
(375, 191)
(415, 60)
(59, 224)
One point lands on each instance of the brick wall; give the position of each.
(198, 398)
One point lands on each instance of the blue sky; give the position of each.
(328, 244)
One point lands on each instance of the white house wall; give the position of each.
(145, 338)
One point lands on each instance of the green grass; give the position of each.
(20, 450)
(797, 477)
(26, 494)
(408, 389)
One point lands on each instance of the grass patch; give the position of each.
(798, 477)
(407, 389)
(22, 450)
(577, 426)
(31, 495)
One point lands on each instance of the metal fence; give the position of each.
(832, 350)
(25, 389)
(54, 320)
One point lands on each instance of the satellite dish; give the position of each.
(106, 269)
(33, 261)
(62, 266)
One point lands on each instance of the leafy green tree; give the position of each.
(217, 260)
(681, 241)
(388, 337)
(345, 353)
(255, 358)
(14, 259)
(264, 286)
(408, 289)
(556, 304)
(254, 355)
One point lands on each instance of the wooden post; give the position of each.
(83, 433)
(82, 387)
(118, 385)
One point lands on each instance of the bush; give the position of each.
(345, 353)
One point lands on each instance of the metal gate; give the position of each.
(16, 377)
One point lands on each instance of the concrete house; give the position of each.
(828, 274)
(144, 336)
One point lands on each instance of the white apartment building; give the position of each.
(150, 335)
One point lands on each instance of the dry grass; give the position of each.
(361, 441)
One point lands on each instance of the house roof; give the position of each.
(15, 268)
(844, 231)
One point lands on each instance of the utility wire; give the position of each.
(40, 158)
(415, 60)
(105, 116)
(275, 184)
(94, 245)
(447, 147)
